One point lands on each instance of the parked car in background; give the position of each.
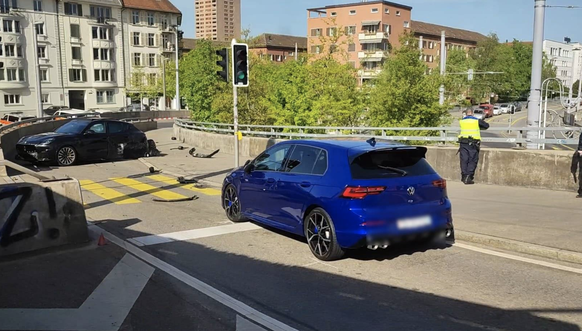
(487, 110)
(136, 107)
(62, 114)
(50, 111)
(518, 106)
(496, 110)
(84, 140)
(479, 113)
(14, 117)
(342, 195)
(504, 108)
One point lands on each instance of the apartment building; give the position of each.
(218, 20)
(151, 31)
(429, 40)
(566, 57)
(277, 47)
(79, 54)
(359, 33)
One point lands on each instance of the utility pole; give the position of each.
(296, 51)
(443, 64)
(235, 104)
(420, 40)
(164, 80)
(533, 109)
(178, 101)
(39, 113)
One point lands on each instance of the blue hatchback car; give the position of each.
(342, 195)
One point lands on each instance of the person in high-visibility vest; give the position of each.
(470, 144)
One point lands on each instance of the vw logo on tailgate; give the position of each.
(411, 191)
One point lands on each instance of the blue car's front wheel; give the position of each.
(321, 236)
(231, 204)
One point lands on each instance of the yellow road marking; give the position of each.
(149, 189)
(556, 148)
(173, 181)
(568, 147)
(517, 120)
(107, 193)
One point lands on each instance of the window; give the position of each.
(105, 54)
(431, 45)
(333, 14)
(75, 31)
(387, 28)
(151, 39)
(386, 11)
(39, 28)
(398, 13)
(375, 165)
(102, 33)
(77, 75)
(332, 32)
(117, 127)
(11, 99)
(406, 24)
(351, 47)
(315, 32)
(101, 13)
(11, 75)
(151, 19)
(74, 9)
(105, 75)
(316, 49)
(152, 78)
(352, 12)
(135, 17)
(37, 5)
(374, 10)
(95, 53)
(41, 51)
(351, 30)
(152, 60)
(9, 51)
(305, 159)
(44, 75)
(136, 38)
(97, 127)
(76, 52)
(137, 59)
(44, 98)
(2, 75)
(272, 159)
(8, 25)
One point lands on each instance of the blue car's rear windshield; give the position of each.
(390, 164)
(73, 127)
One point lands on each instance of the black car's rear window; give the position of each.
(390, 163)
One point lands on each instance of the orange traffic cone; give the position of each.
(102, 241)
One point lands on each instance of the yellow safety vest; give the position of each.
(470, 128)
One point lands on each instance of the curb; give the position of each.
(520, 247)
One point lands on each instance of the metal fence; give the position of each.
(510, 135)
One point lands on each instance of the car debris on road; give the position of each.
(195, 197)
(203, 156)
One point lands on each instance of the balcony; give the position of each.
(169, 48)
(372, 56)
(372, 38)
(75, 40)
(77, 62)
(369, 73)
(43, 61)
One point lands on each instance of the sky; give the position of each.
(510, 19)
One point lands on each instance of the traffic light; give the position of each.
(240, 64)
(223, 63)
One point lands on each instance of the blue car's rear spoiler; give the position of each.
(420, 151)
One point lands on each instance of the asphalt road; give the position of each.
(402, 288)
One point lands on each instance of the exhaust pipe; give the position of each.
(373, 247)
(385, 245)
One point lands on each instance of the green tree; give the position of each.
(404, 95)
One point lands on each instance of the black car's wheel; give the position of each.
(321, 237)
(66, 156)
(231, 204)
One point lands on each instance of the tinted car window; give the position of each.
(321, 164)
(117, 127)
(73, 127)
(13, 119)
(389, 164)
(97, 128)
(302, 160)
(273, 159)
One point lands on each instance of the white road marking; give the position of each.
(230, 302)
(242, 324)
(519, 258)
(105, 309)
(156, 239)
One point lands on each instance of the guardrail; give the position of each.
(432, 134)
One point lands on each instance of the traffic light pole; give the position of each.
(235, 109)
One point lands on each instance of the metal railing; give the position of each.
(511, 135)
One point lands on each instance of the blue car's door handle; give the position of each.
(305, 184)
(270, 180)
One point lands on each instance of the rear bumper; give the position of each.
(33, 153)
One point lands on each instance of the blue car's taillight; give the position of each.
(360, 192)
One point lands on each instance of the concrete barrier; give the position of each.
(524, 168)
(146, 126)
(39, 215)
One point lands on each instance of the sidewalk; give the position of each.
(533, 221)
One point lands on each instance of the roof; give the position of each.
(190, 43)
(267, 40)
(452, 33)
(393, 4)
(153, 5)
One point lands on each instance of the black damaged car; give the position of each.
(84, 140)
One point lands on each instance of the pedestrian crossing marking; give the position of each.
(149, 189)
(173, 181)
(106, 193)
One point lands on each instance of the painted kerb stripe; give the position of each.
(106, 193)
(149, 189)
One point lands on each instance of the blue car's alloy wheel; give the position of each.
(320, 234)
(232, 204)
